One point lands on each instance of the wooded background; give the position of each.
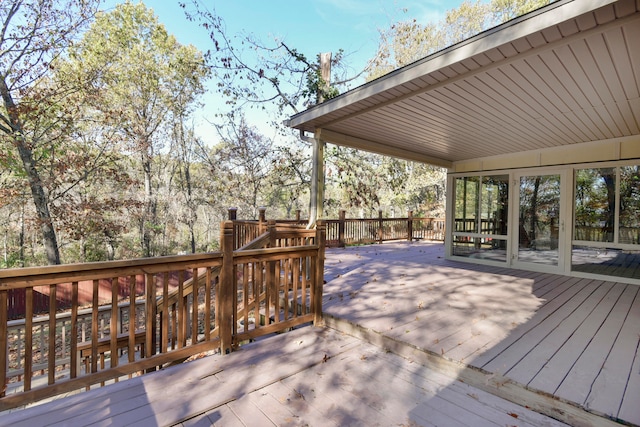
(99, 157)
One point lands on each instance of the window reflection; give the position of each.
(595, 205)
(494, 204)
(629, 229)
(466, 209)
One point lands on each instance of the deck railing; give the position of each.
(357, 231)
(352, 231)
(217, 301)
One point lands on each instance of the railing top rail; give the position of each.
(273, 253)
(35, 276)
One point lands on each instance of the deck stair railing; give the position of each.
(189, 304)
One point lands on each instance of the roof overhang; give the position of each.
(568, 73)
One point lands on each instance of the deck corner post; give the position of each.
(380, 229)
(262, 218)
(225, 291)
(410, 226)
(232, 214)
(271, 230)
(319, 273)
(341, 227)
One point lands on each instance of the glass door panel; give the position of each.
(539, 220)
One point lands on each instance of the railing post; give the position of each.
(298, 212)
(273, 293)
(262, 219)
(4, 303)
(341, 225)
(233, 214)
(380, 230)
(410, 225)
(319, 273)
(226, 291)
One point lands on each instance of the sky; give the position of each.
(311, 26)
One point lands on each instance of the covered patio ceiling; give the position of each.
(565, 74)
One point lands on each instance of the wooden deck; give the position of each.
(427, 342)
(574, 339)
(308, 377)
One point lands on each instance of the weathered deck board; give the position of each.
(556, 337)
(147, 399)
(608, 389)
(577, 384)
(222, 416)
(540, 329)
(554, 300)
(551, 316)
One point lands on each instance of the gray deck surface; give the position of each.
(514, 333)
(576, 339)
(310, 376)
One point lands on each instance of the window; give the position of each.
(607, 221)
(494, 203)
(480, 222)
(629, 228)
(466, 203)
(595, 192)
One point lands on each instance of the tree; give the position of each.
(274, 77)
(142, 76)
(32, 34)
(408, 41)
(251, 73)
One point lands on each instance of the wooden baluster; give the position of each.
(174, 325)
(113, 323)
(4, 340)
(182, 313)
(51, 356)
(194, 313)
(244, 285)
(133, 327)
(272, 286)
(319, 274)
(207, 305)
(164, 317)
(341, 223)
(150, 321)
(28, 339)
(74, 331)
(94, 327)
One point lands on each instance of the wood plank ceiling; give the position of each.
(565, 74)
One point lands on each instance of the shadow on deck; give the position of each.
(564, 346)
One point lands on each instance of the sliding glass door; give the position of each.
(538, 239)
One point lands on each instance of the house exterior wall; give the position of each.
(601, 249)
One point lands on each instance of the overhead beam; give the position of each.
(379, 148)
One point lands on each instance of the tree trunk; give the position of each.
(610, 182)
(35, 184)
(534, 210)
(150, 212)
